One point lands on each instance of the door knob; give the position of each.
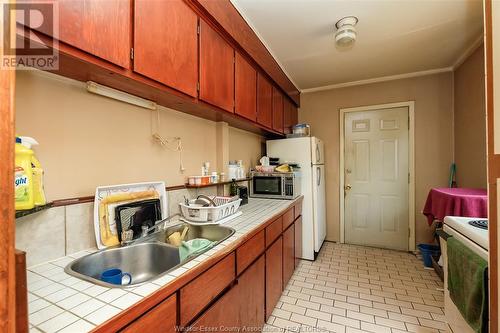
(348, 187)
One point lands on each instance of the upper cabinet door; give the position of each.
(277, 110)
(245, 89)
(166, 43)
(101, 28)
(287, 116)
(216, 69)
(290, 116)
(264, 101)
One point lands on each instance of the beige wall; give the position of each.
(245, 146)
(470, 121)
(433, 134)
(88, 140)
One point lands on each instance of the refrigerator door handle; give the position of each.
(318, 177)
(318, 154)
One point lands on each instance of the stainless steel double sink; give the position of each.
(147, 258)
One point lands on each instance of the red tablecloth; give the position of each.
(467, 202)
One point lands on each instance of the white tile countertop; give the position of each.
(58, 302)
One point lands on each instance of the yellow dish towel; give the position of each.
(107, 237)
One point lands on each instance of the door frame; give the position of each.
(411, 164)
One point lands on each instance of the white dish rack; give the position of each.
(225, 207)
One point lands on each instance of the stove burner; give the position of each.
(482, 224)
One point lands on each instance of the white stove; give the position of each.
(468, 231)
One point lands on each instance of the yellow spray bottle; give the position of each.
(28, 176)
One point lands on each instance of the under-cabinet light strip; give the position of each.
(99, 89)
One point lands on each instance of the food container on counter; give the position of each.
(205, 180)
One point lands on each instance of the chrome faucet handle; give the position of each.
(145, 230)
(127, 236)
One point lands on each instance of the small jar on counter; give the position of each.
(214, 178)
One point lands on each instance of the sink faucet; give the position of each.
(127, 236)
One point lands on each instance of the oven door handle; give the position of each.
(443, 234)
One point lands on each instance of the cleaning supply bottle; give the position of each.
(23, 177)
(28, 181)
(38, 189)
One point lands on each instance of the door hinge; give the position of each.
(198, 29)
(198, 86)
(409, 178)
(132, 53)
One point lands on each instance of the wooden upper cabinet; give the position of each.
(287, 116)
(101, 28)
(264, 101)
(216, 69)
(245, 89)
(161, 319)
(291, 116)
(166, 43)
(277, 110)
(295, 115)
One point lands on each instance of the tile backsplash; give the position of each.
(62, 231)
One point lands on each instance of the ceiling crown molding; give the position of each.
(468, 51)
(378, 79)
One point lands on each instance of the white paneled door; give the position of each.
(376, 177)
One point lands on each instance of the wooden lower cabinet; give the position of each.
(161, 319)
(288, 254)
(298, 240)
(201, 291)
(241, 306)
(251, 290)
(274, 275)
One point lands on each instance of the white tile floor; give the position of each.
(360, 289)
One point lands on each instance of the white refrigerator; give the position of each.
(308, 152)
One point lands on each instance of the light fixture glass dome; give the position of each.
(345, 35)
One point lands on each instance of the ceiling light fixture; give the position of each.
(345, 35)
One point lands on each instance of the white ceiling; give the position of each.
(394, 37)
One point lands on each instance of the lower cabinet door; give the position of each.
(242, 306)
(161, 319)
(221, 316)
(251, 285)
(288, 254)
(274, 275)
(298, 240)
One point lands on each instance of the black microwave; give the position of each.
(275, 185)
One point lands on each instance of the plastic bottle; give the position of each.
(28, 180)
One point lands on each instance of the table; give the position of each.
(466, 202)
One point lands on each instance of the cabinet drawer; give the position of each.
(274, 230)
(162, 319)
(198, 293)
(297, 210)
(288, 218)
(248, 252)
